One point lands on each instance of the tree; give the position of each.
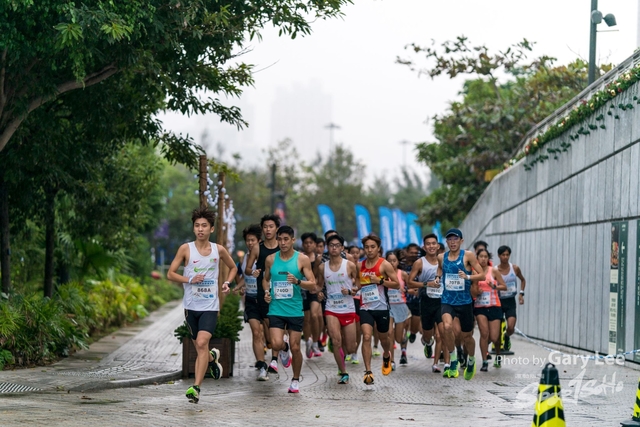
(178, 48)
(482, 131)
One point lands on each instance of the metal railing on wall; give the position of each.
(586, 94)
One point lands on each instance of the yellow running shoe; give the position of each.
(386, 365)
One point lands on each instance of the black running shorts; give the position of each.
(464, 313)
(253, 309)
(491, 313)
(290, 323)
(201, 321)
(430, 312)
(414, 306)
(508, 307)
(379, 317)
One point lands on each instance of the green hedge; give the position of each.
(36, 330)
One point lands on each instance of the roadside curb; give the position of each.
(133, 382)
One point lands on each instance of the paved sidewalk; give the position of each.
(144, 353)
(593, 394)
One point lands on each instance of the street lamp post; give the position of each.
(595, 19)
(331, 126)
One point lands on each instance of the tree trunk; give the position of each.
(50, 231)
(5, 248)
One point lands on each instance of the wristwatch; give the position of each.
(381, 281)
(521, 293)
(424, 284)
(299, 281)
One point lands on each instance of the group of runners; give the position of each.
(353, 295)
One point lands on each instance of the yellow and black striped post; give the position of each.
(635, 418)
(548, 410)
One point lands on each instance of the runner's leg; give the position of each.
(335, 333)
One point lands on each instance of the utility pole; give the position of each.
(221, 233)
(202, 178)
(331, 126)
(273, 187)
(592, 43)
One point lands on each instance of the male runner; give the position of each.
(412, 253)
(201, 260)
(353, 358)
(509, 274)
(423, 276)
(319, 246)
(309, 249)
(249, 285)
(457, 305)
(376, 276)
(339, 281)
(269, 224)
(286, 273)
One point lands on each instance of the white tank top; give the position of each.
(202, 296)
(335, 281)
(511, 282)
(250, 282)
(428, 274)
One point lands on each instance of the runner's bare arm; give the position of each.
(475, 289)
(352, 269)
(351, 258)
(266, 278)
(405, 277)
(228, 261)
(391, 279)
(471, 260)
(305, 267)
(415, 270)
(253, 256)
(439, 272)
(523, 282)
(498, 278)
(182, 256)
(320, 279)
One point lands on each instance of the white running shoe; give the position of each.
(309, 348)
(263, 375)
(285, 356)
(273, 366)
(294, 387)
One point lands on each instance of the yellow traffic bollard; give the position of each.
(548, 410)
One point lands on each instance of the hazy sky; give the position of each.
(345, 72)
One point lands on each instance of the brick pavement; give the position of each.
(410, 396)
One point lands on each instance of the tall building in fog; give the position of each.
(301, 112)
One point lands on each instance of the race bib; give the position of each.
(395, 296)
(251, 284)
(370, 294)
(484, 299)
(205, 291)
(434, 292)
(282, 290)
(337, 301)
(510, 292)
(454, 283)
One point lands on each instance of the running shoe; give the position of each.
(488, 356)
(485, 366)
(412, 338)
(498, 362)
(462, 357)
(393, 366)
(263, 375)
(436, 369)
(347, 358)
(294, 387)
(453, 370)
(386, 365)
(376, 352)
(428, 351)
(324, 337)
(309, 348)
(470, 370)
(446, 372)
(344, 378)
(285, 356)
(215, 368)
(507, 342)
(368, 378)
(403, 360)
(193, 394)
(273, 367)
(354, 359)
(330, 346)
(316, 350)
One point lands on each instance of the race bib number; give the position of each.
(337, 301)
(454, 283)
(484, 299)
(205, 291)
(251, 284)
(510, 292)
(282, 290)
(370, 294)
(434, 292)
(395, 296)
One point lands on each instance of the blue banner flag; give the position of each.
(399, 229)
(415, 232)
(437, 230)
(327, 219)
(363, 221)
(386, 228)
